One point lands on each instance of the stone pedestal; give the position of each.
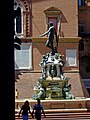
(52, 84)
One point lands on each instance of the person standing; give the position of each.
(38, 110)
(25, 109)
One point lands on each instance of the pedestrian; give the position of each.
(25, 110)
(38, 110)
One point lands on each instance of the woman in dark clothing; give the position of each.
(24, 110)
(38, 110)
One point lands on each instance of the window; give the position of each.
(18, 24)
(54, 20)
(81, 27)
(81, 45)
(18, 21)
(70, 57)
(88, 69)
(81, 2)
(87, 84)
(52, 14)
(23, 57)
(86, 62)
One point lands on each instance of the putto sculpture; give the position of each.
(52, 65)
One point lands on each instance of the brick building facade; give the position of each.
(74, 34)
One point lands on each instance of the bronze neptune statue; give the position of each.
(51, 33)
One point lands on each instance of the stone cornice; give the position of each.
(61, 39)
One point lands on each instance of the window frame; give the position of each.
(29, 54)
(55, 19)
(52, 12)
(68, 57)
(15, 8)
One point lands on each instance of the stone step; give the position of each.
(63, 116)
(61, 105)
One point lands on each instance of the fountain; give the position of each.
(53, 84)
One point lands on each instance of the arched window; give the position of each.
(18, 21)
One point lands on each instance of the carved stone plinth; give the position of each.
(52, 84)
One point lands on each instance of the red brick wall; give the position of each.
(78, 88)
(69, 25)
(39, 49)
(26, 82)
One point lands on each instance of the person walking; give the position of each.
(25, 109)
(38, 110)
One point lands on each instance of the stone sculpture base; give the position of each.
(53, 87)
(52, 84)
